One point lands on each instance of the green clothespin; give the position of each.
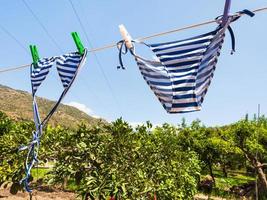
(78, 42)
(35, 55)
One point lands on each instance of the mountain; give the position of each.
(17, 105)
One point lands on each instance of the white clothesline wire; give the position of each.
(8, 69)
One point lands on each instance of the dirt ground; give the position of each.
(204, 197)
(61, 195)
(37, 195)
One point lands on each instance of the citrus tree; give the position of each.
(13, 134)
(250, 137)
(115, 160)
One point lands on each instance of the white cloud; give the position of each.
(95, 116)
(83, 108)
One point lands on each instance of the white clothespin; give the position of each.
(126, 36)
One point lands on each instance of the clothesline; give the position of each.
(171, 31)
(8, 69)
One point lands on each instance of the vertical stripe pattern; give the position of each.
(181, 77)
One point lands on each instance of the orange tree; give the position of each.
(250, 137)
(211, 149)
(117, 160)
(12, 135)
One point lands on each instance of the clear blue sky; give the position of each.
(238, 86)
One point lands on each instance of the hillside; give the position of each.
(17, 104)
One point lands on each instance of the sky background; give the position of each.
(240, 80)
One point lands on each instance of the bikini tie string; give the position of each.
(123, 50)
(234, 18)
(31, 159)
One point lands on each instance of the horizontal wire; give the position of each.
(172, 31)
(155, 35)
(145, 37)
(8, 69)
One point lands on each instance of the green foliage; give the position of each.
(205, 142)
(5, 124)
(250, 138)
(12, 161)
(236, 146)
(114, 159)
(129, 164)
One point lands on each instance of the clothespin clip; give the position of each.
(126, 36)
(78, 42)
(35, 54)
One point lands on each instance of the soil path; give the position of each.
(38, 195)
(61, 195)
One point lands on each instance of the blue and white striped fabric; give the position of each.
(184, 70)
(67, 66)
(40, 71)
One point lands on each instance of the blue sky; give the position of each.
(238, 86)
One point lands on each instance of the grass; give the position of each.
(39, 173)
(71, 185)
(223, 184)
(233, 179)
